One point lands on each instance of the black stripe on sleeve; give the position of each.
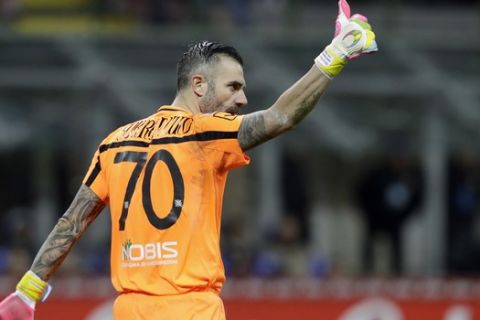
(93, 175)
(204, 136)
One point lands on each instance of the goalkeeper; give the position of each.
(165, 248)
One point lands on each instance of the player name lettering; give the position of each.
(149, 129)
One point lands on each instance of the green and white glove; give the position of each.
(353, 37)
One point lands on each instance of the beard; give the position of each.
(209, 102)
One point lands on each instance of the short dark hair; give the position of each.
(197, 54)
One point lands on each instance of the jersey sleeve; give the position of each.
(95, 178)
(223, 129)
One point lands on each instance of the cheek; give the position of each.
(225, 96)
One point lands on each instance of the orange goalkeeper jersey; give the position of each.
(164, 178)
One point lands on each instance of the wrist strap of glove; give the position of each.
(34, 288)
(330, 63)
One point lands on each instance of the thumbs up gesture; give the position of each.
(353, 37)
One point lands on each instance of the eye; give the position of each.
(235, 87)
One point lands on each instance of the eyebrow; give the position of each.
(237, 83)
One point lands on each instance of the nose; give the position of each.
(241, 99)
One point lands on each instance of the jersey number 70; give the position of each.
(140, 158)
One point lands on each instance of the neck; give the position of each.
(184, 102)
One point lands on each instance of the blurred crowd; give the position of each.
(385, 196)
(177, 12)
(156, 12)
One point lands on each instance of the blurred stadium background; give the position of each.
(370, 209)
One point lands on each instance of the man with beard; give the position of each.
(164, 176)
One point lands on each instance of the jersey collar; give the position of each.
(171, 108)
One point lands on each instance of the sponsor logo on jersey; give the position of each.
(149, 254)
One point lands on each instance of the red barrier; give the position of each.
(349, 310)
(83, 309)
(71, 309)
(287, 299)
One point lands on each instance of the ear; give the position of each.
(199, 85)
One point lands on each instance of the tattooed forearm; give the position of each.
(252, 131)
(306, 106)
(84, 209)
(290, 108)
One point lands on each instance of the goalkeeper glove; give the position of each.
(20, 305)
(353, 37)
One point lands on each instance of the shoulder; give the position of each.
(218, 121)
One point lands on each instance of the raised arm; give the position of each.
(289, 109)
(70, 227)
(353, 36)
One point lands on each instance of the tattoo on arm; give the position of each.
(306, 106)
(85, 207)
(291, 107)
(252, 131)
